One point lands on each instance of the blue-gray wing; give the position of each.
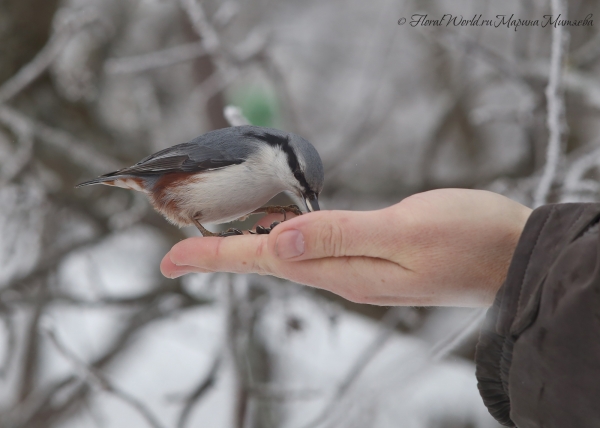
(186, 157)
(216, 149)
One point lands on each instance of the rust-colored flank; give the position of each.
(165, 196)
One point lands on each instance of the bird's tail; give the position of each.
(103, 179)
(89, 183)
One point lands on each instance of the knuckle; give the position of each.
(330, 239)
(260, 248)
(259, 262)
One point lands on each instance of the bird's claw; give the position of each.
(261, 230)
(231, 232)
(294, 209)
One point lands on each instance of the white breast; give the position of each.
(230, 193)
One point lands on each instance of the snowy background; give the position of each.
(91, 335)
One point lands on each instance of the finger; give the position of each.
(171, 270)
(333, 234)
(240, 254)
(359, 279)
(322, 234)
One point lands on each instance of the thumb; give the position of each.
(323, 234)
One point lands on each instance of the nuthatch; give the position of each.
(225, 175)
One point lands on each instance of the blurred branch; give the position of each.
(279, 79)
(208, 36)
(556, 109)
(44, 58)
(504, 66)
(132, 215)
(81, 154)
(165, 288)
(272, 392)
(392, 319)
(39, 409)
(240, 401)
(10, 346)
(207, 383)
(154, 60)
(582, 83)
(360, 123)
(447, 344)
(586, 54)
(24, 151)
(31, 356)
(395, 316)
(226, 62)
(97, 380)
(574, 183)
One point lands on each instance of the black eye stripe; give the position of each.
(292, 159)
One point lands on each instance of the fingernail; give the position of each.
(180, 272)
(289, 244)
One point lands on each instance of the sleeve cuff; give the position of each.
(548, 231)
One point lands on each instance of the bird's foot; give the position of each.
(261, 230)
(230, 232)
(279, 209)
(205, 232)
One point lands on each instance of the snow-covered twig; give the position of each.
(556, 109)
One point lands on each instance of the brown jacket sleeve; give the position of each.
(538, 356)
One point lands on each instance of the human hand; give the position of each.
(443, 247)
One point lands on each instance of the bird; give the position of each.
(224, 175)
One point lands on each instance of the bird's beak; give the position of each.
(312, 203)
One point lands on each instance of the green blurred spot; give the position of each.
(258, 105)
